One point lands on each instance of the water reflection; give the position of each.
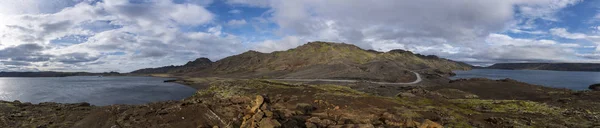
(558, 79)
(95, 90)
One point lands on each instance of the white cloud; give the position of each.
(191, 14)
(117, 36)
(543, 9)
(536, 32)
(504, 40)
(279, 45)
(120, 35)
(507, 49)
(235, 11)
(34, 6)
(562, 32)
(237, 22)
(453, 28)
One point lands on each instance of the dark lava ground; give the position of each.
(263, 103)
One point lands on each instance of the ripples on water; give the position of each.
(557, 79)
(92, 89)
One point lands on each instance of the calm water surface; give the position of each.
(92, 89)
(558, 79)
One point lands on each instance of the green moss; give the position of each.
(229, 88)
(339, 90)
(424, 102)
(6, 105)
(272, 83)
(508, 106)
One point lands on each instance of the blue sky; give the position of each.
(124, 35)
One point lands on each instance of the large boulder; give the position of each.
(595, 87)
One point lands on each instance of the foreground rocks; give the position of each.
(260, 115)
(272, 104)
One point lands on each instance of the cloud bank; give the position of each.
(124, 35)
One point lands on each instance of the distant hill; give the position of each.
(548, 66)
(321, 60)
(198, 64)
(55, 74)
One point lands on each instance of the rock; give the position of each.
(320, 122)
(239, 99)
(269, 123)
(594, 87)
(411, 123)
(430, 124)
(258, 102)
(268, 113)
(259, 115)
(363, 126)
(338, 126)
(310, 125)
(313, 119)
(305, 108)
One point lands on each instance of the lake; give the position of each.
(92, 89)
(558, 79)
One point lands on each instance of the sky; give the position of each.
(125, 35)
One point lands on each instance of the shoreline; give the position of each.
(226, 99)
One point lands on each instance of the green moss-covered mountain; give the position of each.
(322, 60)
(548, 66)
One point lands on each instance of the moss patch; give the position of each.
(508, 106)
(339, 90)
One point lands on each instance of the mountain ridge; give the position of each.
(199, 63)
(326, 60)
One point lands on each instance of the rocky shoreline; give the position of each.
(264, 103)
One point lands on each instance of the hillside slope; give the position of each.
(548, 66)
(324, 60)
(198, 64)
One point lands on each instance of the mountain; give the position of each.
(198, 64)
(548, 66)
(325, 60)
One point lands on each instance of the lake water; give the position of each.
(92, 89)
(557, 79)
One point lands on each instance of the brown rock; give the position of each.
(320, 122)
(310, 125)
(259, 115)
(430, 124)
(269, 123)
(411, 123)
(239, 99)
(305, 108)
(393, 123)
(365, 126)
(258, 102)
(268, 113)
